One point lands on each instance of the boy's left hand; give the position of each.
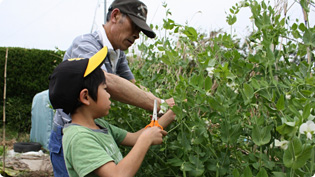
(154, 135)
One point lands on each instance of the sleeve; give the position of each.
(84, 46)
(123, 69)
(87, 154)
(117, 133)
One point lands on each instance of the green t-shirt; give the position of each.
(86, 150)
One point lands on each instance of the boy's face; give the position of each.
(102, 106)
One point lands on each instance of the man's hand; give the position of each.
(165, 105)
(170, 102)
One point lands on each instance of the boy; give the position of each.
(78, 86)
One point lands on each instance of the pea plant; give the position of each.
(242, 109)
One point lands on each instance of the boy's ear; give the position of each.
(84, 97)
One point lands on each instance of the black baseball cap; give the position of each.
(66, 81)
(137, 11)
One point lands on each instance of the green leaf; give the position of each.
(161, 48)
(293, 110)
(296, 155)
(255, 83)
(248, 172)
(215, 105)
(230, 133)
(303, 157)
(248, 91)
(176, 30)
(291, 124)
(263, 5)
(208, 83)
(302, 26)
(262, 173)
(177, 162)
(285, 129)
(294, 26)
(231, 19)
(176, 110)
(186, 166)
(306, 112)
(258, 22)
(304, 5)
(306, 93)
(185, 143)
(280, 103)
(296, 34)
(198, 168)
(191, 33)
(236, 173)
(196, 172)
(166, 60)
(260, 135)
(279, 174)
(309, 38)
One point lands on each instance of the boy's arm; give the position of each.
(129, 165)
(164, 121)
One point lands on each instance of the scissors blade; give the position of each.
(154, 117)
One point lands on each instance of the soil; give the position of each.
(26, 164)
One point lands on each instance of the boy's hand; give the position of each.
(153, 135)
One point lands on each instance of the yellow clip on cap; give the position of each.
(95, 61)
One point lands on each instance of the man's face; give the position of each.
(125, 32)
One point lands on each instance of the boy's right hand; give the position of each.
(153, 135)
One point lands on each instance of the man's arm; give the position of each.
(164, 121)
(129, 165)
(125, 91)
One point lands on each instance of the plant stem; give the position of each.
(312, 161)
(175, 127)
(309, 61)
(226, 153)
(292, 172)
(260, 158)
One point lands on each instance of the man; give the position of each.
(125, 20)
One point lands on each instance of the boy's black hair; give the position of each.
(91, 83)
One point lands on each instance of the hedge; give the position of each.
(27, 74)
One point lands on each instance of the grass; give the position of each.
(14, 135)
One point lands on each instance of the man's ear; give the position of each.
(84, 97)
(115, 15)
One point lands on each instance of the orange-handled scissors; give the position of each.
(154, 122)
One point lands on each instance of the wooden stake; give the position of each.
(305, 14)
(4, 99)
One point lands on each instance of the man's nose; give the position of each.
(136, 34)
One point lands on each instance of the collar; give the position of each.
(101, 130)
(104, 39)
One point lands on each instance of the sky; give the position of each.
(47, 24)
